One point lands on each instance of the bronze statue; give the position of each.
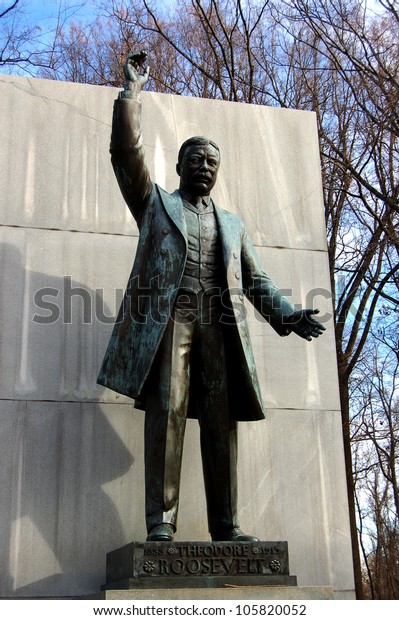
(180, 346)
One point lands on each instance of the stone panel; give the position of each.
(72, 490)
(297, 489)
(58, 175)
(60, 294)
(71, 474)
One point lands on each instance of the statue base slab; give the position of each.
(198, 564)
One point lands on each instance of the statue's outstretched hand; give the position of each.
(134, 69)
(304, 325)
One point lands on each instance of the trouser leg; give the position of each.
(218, 431)
(219, 459)
(165, 421)
(192, 352)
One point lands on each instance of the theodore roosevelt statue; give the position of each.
(179, 346)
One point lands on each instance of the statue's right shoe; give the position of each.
(233, 535)
(162, 531)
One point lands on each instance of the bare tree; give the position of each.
(15, 36)
(375, 437)
(345, 67)
(27, 47)
(337, 59)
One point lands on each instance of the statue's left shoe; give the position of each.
(162, 531)
(233, 535)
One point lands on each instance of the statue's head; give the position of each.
(198, 165)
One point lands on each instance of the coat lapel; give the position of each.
(228, 234)
(173, 204)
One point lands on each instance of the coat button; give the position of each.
(237, 276)
(235, 254)
(165, 231)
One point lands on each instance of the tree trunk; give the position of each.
(357, 569)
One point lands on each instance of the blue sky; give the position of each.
(45, 10)
(81, 9)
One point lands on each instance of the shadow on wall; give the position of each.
(67, 474)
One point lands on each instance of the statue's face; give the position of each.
(198, 169)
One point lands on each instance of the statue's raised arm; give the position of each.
(127, 150)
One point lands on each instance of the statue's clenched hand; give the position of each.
(134, 69)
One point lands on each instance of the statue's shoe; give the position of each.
(162, 531)
(233, 535)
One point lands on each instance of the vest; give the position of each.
(203, 270)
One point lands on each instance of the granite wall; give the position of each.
(71, 452)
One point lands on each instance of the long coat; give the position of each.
(153, 285)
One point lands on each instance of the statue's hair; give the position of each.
(195, 141)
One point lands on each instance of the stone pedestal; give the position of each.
(197, 564)
(249, 593)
